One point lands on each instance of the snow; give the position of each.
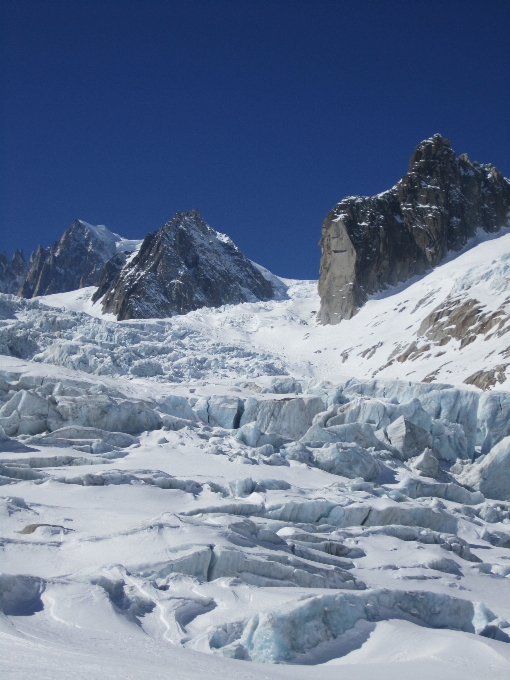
(110, 238)
(77, 301)
(234, 492)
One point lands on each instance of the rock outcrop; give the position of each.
(369, 243)
(73, 262)
(184, 266)
(12, 274)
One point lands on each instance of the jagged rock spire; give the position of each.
(369, 243)
(183, 266)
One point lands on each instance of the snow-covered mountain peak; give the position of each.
(74, 261)
(99, 231)
(110, 238)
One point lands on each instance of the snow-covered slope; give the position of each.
(184, 496)
(124, 550)
(121, 244)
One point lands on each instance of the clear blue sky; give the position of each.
(262, 114)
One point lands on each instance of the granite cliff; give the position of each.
(369, 243)
(12, 273)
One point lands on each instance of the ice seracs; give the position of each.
(217, 481)
(229, 518)
(492, 475)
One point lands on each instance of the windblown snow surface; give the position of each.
(242, 493)
(112, 239)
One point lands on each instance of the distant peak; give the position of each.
(190, 219)
(99, 231)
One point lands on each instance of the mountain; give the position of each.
(369, 243)
(74, 261)
(183, 266)
(13, 273)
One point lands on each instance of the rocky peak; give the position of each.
(12, 274)
(369, 243)
(181, 267)
(74, 261)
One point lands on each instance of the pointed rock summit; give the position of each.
(369, 243)
(184, 266)
(12, 274)
(73, 262)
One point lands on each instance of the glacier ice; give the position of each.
(289, 417)
(426, 464)
(350, 488)
(294, 629)
(492, 474)
(346, 460)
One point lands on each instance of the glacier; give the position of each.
(238, 487)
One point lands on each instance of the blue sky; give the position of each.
(262, 114)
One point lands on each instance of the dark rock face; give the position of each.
(369, 243)
(182, 267)
(73, 262)
(108, 273)
(12, 274)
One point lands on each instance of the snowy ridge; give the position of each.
(111, 238)
(280, 287)
(75, 261)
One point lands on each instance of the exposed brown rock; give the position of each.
(30, 528)
(462, 320)
(487, 379)
(431, 377)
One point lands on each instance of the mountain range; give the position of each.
(368, 244)
(204, 465)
